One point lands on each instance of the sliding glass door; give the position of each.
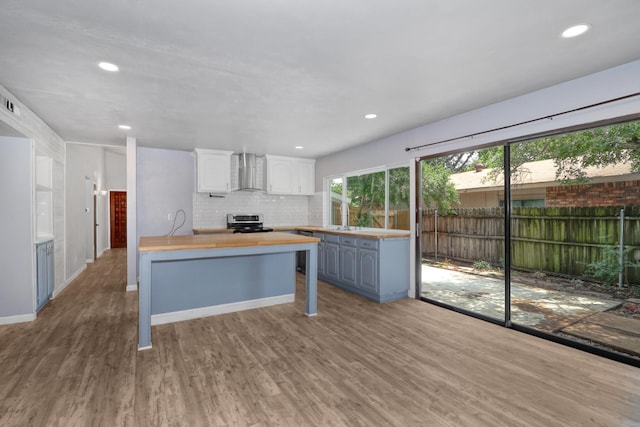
(575, 240)
(542, 236)
(462, 236)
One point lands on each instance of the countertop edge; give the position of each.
(213, 241)
(319, 229)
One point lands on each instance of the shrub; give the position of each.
(608, 268)
(481, 265)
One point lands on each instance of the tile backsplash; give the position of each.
(210, 212)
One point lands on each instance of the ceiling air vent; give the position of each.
(9, 105)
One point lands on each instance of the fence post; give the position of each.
(621, 248)
(435, 229)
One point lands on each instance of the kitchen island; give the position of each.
(186, 277)
(373, 263)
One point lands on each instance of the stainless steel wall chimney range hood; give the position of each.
(247, 172)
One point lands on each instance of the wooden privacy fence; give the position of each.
(398, 219)
(552, 240)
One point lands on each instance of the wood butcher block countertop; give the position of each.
(220, 240)
(369, 233)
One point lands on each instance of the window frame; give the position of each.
(344, 202)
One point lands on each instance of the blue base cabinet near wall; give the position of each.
(44, 273)
(377, 269)
(331, 261)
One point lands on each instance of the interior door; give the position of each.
(118, 215)
(89, 220)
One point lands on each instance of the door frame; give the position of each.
(89, 220)
(109, 211)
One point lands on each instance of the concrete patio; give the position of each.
(544, 309)
(583, 316)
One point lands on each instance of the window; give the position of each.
(373, 199)
(335, 201)
(398, 217)
(527, 203)
(366, 194)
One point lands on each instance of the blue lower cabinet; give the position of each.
(332, 262)
(348, 267)
(368, 270)
(44, 273)
(377, 269)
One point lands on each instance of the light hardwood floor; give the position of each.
(405, 363)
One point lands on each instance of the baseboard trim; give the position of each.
(20, 318)
(178, 316)
(67, 282)
(132, 288)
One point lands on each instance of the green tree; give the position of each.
(437, 189)
(573, 152)
(598, 147)
(459, 162)
(366, 192)
(399, 188)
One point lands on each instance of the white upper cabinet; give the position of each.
(306, 176)
(213, 171)
(290, 175)
(280, 175)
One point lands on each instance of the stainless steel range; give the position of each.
(246, 223)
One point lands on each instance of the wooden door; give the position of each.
(118, 223)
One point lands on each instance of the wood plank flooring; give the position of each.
(405, 363)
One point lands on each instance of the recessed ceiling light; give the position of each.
(108, 66)
(575, 31)
(299, 147)
(125, 127)
(370, 116)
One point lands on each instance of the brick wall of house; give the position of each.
(625, 193)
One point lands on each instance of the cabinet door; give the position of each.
(332, 260)
(368, 269)
(348, 265)
(306, 177)
(50, 270)
(281, 175)
(320, 259)
(214, 171)
(41, 275)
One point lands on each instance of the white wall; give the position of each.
(165, 183)
(210, 212)
(132, 213)
(592, 89)
(612, 83)
(17, 287)
(84, 161)
(45, 143)
(116, 170)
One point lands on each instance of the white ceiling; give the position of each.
(267, 75)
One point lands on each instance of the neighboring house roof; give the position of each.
(537, 174)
